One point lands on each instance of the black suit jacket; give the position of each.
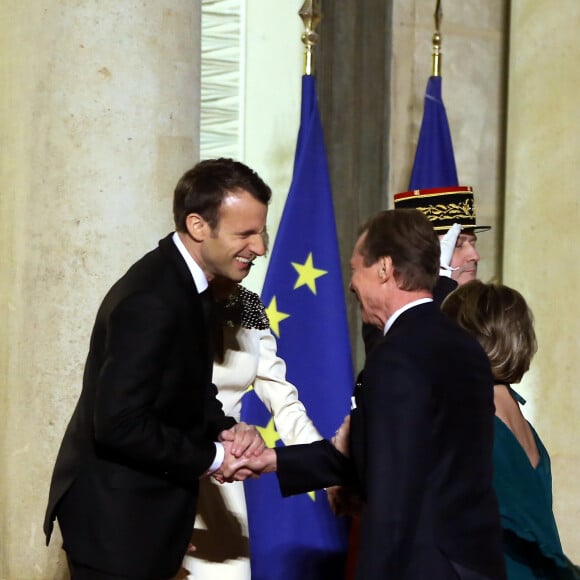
(421, 446)
(125, 483)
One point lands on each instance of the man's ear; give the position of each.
(385, 266)
(197, 227)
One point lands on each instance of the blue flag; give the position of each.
(434, 164)
(298, 538)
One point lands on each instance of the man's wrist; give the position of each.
(271, 460)
(218, 459)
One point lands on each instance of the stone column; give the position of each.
(99, 116)
(542, 237)
(354, 93)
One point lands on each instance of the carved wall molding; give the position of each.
(222, 61)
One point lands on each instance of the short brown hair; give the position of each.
(202, 189)
(499, 318)
(408, 238)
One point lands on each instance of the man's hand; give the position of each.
(233, 468)
(447, 243)
(241, 468)
(264, 463)
(344, 501)
(246, 440)
(340, 439)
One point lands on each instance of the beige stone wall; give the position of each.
(473, 35)
(542, 236)
(98, 119)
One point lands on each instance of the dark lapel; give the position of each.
(169, 250)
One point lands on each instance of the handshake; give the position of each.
(245, 454)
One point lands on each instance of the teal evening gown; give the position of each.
(531, 542)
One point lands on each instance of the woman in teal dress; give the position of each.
(500, 319)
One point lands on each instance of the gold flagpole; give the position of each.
(311, 14)
(436, 55)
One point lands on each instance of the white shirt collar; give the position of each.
(398, 313)
(199, 278)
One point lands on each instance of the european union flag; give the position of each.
(298, 538)
(434, 164)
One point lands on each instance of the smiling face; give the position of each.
(229, 249)
(465, 258)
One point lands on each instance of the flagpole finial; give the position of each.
(311, 14)
(436, 42)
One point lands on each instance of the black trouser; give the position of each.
(78, 572)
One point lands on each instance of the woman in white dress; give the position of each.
(248, 357)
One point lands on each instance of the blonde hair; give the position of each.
(499, 318)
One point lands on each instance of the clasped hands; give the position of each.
(246, 454)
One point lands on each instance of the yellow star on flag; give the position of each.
(269, 434)
(275, 316)
(307, 274)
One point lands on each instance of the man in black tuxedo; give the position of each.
(147, 424)
(421, 428)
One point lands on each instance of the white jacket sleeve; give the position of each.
(281, 397)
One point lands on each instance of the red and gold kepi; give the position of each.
(443, 207)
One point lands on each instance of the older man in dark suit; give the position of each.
(147, 424)
(422, 427)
